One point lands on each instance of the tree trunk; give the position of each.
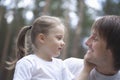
(76, 43)
(46, 7)
(66, 39)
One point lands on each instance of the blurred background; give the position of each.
(77, 15)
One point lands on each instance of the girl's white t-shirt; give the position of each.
(32, 67)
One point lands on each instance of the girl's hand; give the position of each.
(84, 74)
(88, 66)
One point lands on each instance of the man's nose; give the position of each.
(88, 41)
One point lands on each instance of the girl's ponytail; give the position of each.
(20, 45)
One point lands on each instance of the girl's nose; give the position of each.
(63, 44)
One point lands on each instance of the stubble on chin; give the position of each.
(85, 57)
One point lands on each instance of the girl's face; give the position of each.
(54, 41)
(97, 52)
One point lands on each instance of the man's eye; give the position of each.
(95, 38)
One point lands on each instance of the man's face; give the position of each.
(97, 52)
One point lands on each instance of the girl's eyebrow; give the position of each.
(59, 34)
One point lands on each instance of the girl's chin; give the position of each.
(56, 55)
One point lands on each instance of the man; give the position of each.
(103, 50)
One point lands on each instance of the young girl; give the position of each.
(47, 35)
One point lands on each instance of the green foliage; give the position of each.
(3, 29)
(87, 22)
(55, 8)
(111, 7)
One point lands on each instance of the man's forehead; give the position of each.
(94, 32)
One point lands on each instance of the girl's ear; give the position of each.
(41, 38)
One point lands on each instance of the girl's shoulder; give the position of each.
(74, 63)
(57, 61)
(73, 60)
(28, 60)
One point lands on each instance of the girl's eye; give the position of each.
(59, 38)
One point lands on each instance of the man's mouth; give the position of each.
(90, 50)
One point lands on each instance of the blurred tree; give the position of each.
(76, 43)
(82, 30)
(64, 13)
(3, 31)
(55, 8)
(38, 9)
(46, 7)
(111, 7)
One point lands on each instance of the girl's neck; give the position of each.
(43, 55)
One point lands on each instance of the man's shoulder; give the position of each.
(98, 76)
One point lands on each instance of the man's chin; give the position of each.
(87, 58)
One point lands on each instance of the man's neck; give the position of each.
(106, 71)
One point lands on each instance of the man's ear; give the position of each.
(41, 38)
(110, 52)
